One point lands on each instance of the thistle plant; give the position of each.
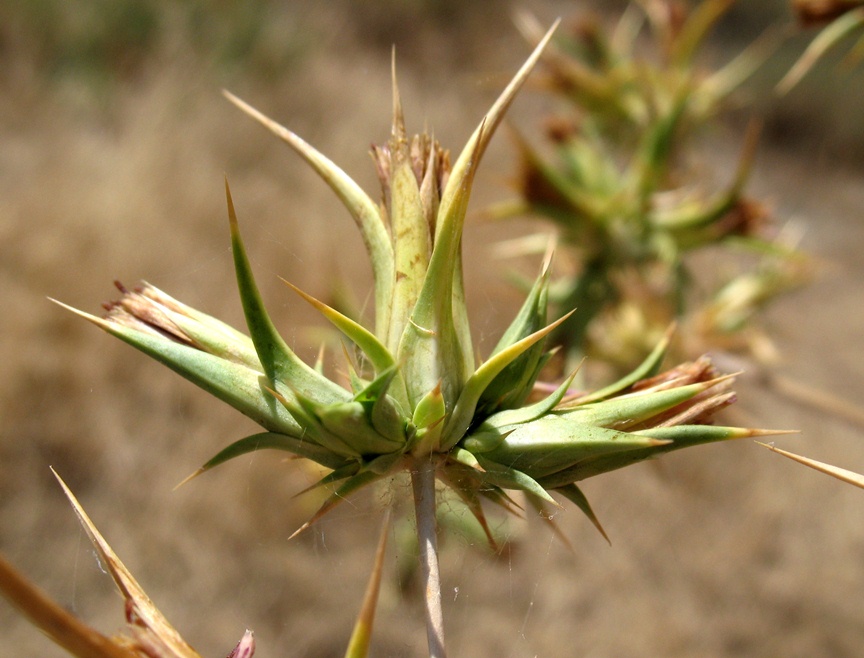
(414, 399)
(630, 202)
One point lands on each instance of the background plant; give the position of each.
(631, 200)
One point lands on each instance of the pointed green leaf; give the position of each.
(823, 41)
(511, 478)
(410, 227)
(388, 419)
(695, 28)
(352, 485)
(510, 418)
(241, 387)
(681, 436)
(379, 356)
(513, 384)
(721, 83)
(273, 441)
(307, 413)
(279, 361)
(385, 413)
(412, 243)
(470, 156)
(625, 411)
(463, 413)
(384, 464)
(337, 475)
(432, 348)
(484, 439)
(552, 444)
(647, 368)
(430, 409)
(574, 494)
(464, 457)
(684, 436)
(364, 211)
(428, 419)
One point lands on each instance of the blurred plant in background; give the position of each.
(630, 200)
(838, 19)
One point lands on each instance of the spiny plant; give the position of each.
(630, 202)
(414, 400)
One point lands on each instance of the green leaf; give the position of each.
(430, 409)
(466, 163)
(511, 478)
(464, 457)
(379, 356)
(353, 484)
(463, 413)
(514, 383)
(307, 413)
(273, 441)
(410, 227)
(341, 473)
(349, 421)
(647, 368)
(695, 28)
(826, 39)
(574, 494)
(279, 361)
(623, 412)
(239, 386)
(431, 349)
(510, 418)
(552, 444)
(364, 211)
(680, 436)
(385, 413)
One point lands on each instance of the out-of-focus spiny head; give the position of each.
(820, 12)
(417, 394)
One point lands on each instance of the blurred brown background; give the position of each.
(113, 142)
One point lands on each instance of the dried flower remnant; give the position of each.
(245, 647)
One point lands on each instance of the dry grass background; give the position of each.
(723, 551)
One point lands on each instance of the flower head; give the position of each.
(418, 395)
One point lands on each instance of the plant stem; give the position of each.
(423, 483)
(65, 629)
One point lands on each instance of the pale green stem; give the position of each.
(423, 483)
